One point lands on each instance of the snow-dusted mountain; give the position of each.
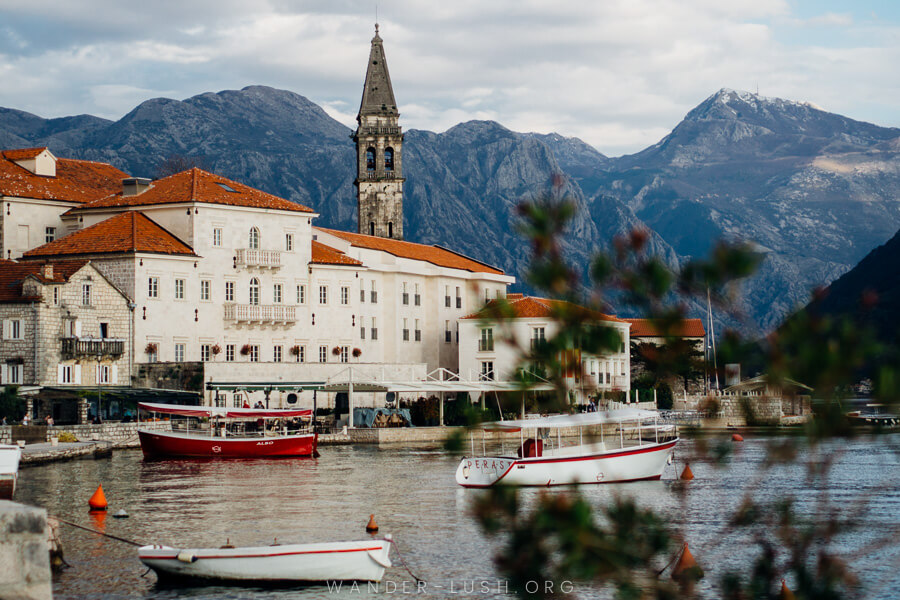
(815, 190)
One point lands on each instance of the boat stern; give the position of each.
(483, 471)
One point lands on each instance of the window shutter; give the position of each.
(77, 374)
(114, 374)
(3, 374)
(6, 328)
(77, 328)
(59, 374)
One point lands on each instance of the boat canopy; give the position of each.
(216, 411)
(576, 420)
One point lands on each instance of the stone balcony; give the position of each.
(73, 347)
(260, 313)
(260, 259)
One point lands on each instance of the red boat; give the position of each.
(228, 433)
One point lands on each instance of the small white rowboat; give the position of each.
(301, 563)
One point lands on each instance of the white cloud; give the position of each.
(619, 73)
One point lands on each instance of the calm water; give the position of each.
(413, 495)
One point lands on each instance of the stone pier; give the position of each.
(24, 553)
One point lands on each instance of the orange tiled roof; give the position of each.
(23, 153)
(13, 273)
(75, 180)
(124, 233)
(197, 185)
(531, 307)
(432, 254)
(326, 255)
(654, 328)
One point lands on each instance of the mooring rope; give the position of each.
(110, 536)
(403, 562)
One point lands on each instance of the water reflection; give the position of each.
(414, 497)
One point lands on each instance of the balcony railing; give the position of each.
(264, 259)
(260, 313)
(376, 130)
(73, 347)
(378, 175)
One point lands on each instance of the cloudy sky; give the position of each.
(617, 73)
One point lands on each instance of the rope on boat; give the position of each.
(674, 558)
(403, 562)
(110, 536)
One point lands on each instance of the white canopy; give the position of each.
(217, 411)
(576, 420)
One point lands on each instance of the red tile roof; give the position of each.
(432, 254)
(126, 232)
(658, 328)
(75, 180)
(23, 153)
(531, 307)
(13, 274)
(197, 185)
(326, 255)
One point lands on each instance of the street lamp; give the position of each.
(99, 397)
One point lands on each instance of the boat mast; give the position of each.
(712, 336)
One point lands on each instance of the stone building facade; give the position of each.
(63, 325)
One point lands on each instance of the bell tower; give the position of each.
(379, 152)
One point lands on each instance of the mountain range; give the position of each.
(814, 191)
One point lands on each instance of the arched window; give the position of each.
(254, 291)
(390, 229)
(254, 238)
(389, 159)
(370, 159)
(371, 227)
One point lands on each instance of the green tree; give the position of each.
(624, 545)
(12, 406)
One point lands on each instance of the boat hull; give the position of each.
(608, 466)
(9, 470)
(302, 563)
(160, 444)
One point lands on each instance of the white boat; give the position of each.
(301, 563)
(636, 447)
(9, 470)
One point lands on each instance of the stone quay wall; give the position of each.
(120, 434)
(24, 552)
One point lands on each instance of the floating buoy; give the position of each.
(372, 526)
(687, 474)
(736, 437)
(686, 568)
(98, 500)
(120, 514)
(786, 593)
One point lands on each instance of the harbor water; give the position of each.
(414, 497)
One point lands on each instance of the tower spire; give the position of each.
(379, 144)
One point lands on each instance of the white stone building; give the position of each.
(498, 349)
(221, 273)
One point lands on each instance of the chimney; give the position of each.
(47, 271)
(132, 186)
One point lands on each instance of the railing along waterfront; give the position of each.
(73, 347)
(260, 313)
(248, 257)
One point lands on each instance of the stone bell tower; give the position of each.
(379, 152)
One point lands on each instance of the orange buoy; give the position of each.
(98, 500)
(687, 569)
(786, 593)
(736, 437)
(687, 474)
(372, 526)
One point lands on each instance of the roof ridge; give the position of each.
(133, 231)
